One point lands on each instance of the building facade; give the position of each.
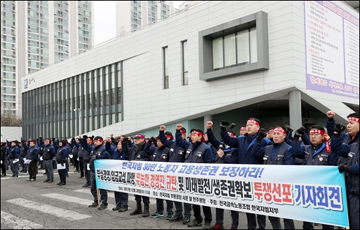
(216, 61)
(132, 15)
(35, 35)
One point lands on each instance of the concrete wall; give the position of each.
(11, 133)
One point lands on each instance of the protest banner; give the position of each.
(306, 193)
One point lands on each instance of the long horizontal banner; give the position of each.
(307, 193)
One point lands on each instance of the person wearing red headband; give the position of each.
(247, 145)
(98, 153)
(242, 130)
(318, 153)
(352, 128)
(278, 154)
(350, 153)
(84, 153)
(224, 151)
(177, 154)
(196, 152)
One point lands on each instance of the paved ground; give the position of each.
(41, 205)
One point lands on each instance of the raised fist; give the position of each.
(178, 126)
(209, 124)
(330, 114)
(162, 127)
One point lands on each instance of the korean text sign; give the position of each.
(307, 193)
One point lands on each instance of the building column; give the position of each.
(206, 119)
(295, 116)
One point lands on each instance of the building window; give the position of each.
(184, 63)
(232, 48)
(166, 69)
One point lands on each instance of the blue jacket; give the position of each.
(114, 152)
(313, 155)
(62, 154)
(247, 146)
(14, 152)
(32, 153)
(86, 151)
(177, 154)
(206, 157)
(98, 153)
(279, 154)
(48, 152)
(229, 153)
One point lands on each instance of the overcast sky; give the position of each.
(105, 20)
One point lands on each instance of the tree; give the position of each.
(10, 120)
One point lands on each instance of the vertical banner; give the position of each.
(332, 49)
(306, 193)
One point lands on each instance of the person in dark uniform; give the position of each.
(75, 153)
(14, 158)
(32, 154)
(196, 152)
(48, 155)
(3, 157)
(242, 130)
(81, 158)
(224, 151)
(352, 128)
(350, 167)
(87, 147)
(121, 198)
(22, 156)
(318, 153)
(246, 145)
(177, 154)
(139, 153)
(278, 154)
(159, 152)
(61, 157)
(98, 153)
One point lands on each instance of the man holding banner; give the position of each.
(196, 152)
(318, 153)
(246, 145)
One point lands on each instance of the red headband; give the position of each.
(252, 121)
(91, 140)
(231, 134)
(101, 140)
(317, 131)
(279, 129)
(168, 136)
(243, 128)
(196, 133)
(356, 119)
(183, 132)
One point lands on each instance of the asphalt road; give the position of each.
(42, 205)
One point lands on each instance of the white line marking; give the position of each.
(72, 199)
(48, 209)
(17, 223)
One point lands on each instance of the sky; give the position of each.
(105, 20)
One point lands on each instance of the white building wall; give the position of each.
(147, 104)
(11, 133)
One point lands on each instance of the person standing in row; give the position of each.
(98, 153)
(139, 153)
(121, 198)
(3, 156)
(14, 158)
(61, 157)
(48, 155)
(32, 155)
(87, 146)
(196, 152)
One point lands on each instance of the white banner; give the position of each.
(307, 193)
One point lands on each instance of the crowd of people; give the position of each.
(335, 144)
